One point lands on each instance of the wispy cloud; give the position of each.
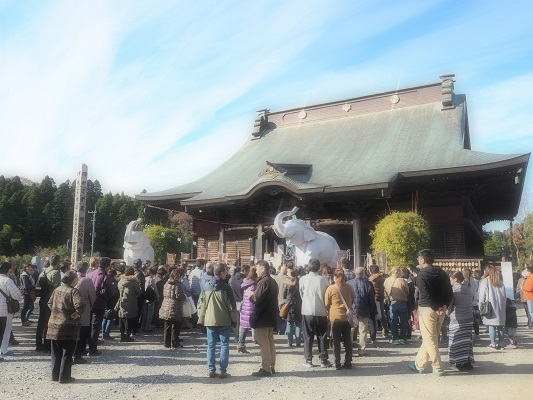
(153, 95)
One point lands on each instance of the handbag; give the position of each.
(187, 308)
(485, 308)
(284, 310)
(13, 306)
(350, 312)
(33, 295)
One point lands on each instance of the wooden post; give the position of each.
(357, 242)
(221, 243)
(259, 243)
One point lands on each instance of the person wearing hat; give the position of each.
(137, 266)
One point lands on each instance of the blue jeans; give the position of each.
(398, 310)
(214, 333)
(27, 308)
(492, 333)
(106, 327)
(243, 332)
(294, 328)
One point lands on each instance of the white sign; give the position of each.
(507, 274)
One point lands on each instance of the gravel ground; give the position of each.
(146, 370)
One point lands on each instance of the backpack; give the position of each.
(44, 283)
(149, 294)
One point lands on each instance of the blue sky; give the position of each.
(154, 94)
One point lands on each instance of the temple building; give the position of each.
(347, 164)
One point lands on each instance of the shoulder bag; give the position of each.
(485, 308)
(13, 306)
(350, 312)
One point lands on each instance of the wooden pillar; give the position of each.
(259, 243)
(357, 242)
(221, 244)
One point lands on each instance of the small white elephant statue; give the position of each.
(137, 244)
(308, 242)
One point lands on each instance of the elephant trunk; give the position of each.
(278, 227)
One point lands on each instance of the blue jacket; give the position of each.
(364, 301)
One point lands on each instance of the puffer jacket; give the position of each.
(247, 307)
(291, 294)
(173, 297)
(129, 290)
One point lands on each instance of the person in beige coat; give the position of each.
(397, 291)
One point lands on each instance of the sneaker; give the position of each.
(511, 346)
(26, 323)
(402, 341)
(95, 353)
(107, 337)
(395, 342)
(438, 373)
(494, 346)
(14, 342)
(272, 371)
(338, 366)
(8, 353)
(127, 339)
(347, 365)
(261, 373)
(308, 364)
(212, 374)
(413, 368)
(67, 380)
(326, 364)
(242, 350)
(223, 374)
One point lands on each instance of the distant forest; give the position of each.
(34, 216)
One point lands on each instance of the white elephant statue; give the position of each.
(137, 244)
(308, 242)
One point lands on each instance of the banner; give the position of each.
(171, 259)
(223, 258)
(185, 256)
(381, 261)
(202, 254)
(342, 254)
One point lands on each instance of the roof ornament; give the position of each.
(447, 91)
(260, 123)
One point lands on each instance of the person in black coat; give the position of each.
(264, 319)
(291, 296)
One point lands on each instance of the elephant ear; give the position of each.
(309, 234)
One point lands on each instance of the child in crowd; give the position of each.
(511, 323)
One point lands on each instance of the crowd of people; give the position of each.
(343, 308)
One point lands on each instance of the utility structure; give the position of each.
(93, 233)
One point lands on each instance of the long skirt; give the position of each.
(460, 348)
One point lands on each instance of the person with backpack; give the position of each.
(49, 279)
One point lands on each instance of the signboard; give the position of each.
(185, 256)
(381, 261)
(458, 264)
(507, 274)
(202, 255)
(171, 259)
(342, 254)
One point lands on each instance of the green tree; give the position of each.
(528, 238)
(401, 235)
(496, 244)
(164, 240)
